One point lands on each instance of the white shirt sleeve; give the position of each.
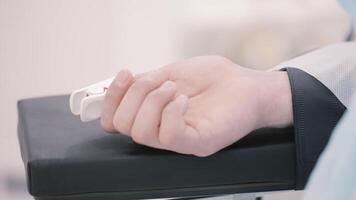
(334, 176)
(333, 65)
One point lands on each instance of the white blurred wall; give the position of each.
(52, 47)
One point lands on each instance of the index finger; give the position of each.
(113, 97)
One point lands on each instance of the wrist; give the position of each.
(275, 100)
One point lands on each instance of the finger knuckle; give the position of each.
(156, 96)
(206, 144)
(219, 58)
(138, 137)
(204, 151)
(167, 110)
(106, 125)
(121, 127)
(116, 84)
(202, 154)
(144, 84)
(167, 140)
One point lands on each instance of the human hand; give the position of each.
(197, 106)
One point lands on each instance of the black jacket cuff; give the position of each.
(316, 111)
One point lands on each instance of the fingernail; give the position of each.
(183, 100)
(123, 76)
(182, 97)
(168, 85)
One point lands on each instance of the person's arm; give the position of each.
(322, 84)
(196, 106)
(201, 105)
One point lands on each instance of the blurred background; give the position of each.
(54, 47)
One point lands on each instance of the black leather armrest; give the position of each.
(67, 159)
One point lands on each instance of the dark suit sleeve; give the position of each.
(316, 111)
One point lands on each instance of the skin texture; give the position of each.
(197, 106)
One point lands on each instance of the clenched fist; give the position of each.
(197, 106)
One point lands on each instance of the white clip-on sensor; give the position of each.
(87, 102)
